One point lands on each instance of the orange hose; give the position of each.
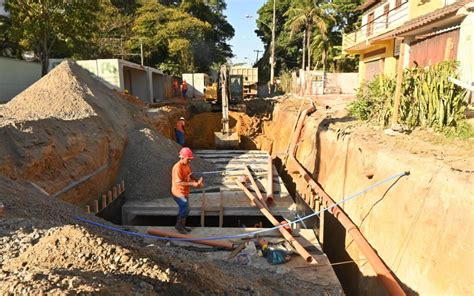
(216, 243)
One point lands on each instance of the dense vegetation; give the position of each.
(428, 99)
(320, 23)
(177, 36)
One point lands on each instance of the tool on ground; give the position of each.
(295, 244)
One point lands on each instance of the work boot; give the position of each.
(180, 226)
(188, 229)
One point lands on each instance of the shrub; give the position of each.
(428, 98)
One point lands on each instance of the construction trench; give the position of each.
(85, 178)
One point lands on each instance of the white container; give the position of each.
(197, 83)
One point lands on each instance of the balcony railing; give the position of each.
(381, 24)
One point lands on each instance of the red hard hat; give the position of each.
(185, 152)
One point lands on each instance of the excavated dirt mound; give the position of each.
(44, 250)
(68, 125)
(59, 95)
(147, 163)
(64, 127)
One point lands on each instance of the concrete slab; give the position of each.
(232, 163)
(235, 203)
(322, 272)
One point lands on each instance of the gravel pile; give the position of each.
(59, 95)
(147, 163)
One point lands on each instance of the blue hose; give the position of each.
(242, 235)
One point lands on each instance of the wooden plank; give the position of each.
(221, 212)
(203, 206)
(321, 225)
(104, 202)
(96, 206)
(256, 188)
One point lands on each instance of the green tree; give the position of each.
(8, 47)
(286, 48)
(167, 34)
(325, 51)
(213, 47)
(43, 26)
(307, 15)
(114, 24)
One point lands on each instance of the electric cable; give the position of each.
(242, 235)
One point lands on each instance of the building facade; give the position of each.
(431, 31)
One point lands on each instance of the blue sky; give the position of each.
(245, 40)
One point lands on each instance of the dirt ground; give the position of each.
(201, 127)
(44, 249)
(67, 125)
(63, 128)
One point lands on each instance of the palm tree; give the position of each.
(308, 15)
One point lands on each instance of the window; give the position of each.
(386, 10)
(370, 24)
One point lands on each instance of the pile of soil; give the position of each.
(59, 95)
(70, 122)
(65, 122)
(147, 163)
(43, 249)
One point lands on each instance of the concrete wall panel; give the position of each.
(16, 76)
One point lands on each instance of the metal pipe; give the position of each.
(212, 243)
(254, 184)
(298, 247)
(270, 182)
(383, 272)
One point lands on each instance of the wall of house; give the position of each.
(420, 7)
(388, 66)
(16, 76)
(435, 49)
(466, 49)
(396, 17)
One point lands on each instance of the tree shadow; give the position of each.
(350, 276)
(323, 126)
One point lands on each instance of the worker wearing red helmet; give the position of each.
(181, 180)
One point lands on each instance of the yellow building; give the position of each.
(377, 56)
(419, 24)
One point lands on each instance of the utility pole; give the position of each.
(398, 87)
(141, 51)
(272, 59)
(257, 51)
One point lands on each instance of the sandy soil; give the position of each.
(63, 128)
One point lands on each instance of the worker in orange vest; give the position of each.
(181, 181)
(179, 131)
(184, 88)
